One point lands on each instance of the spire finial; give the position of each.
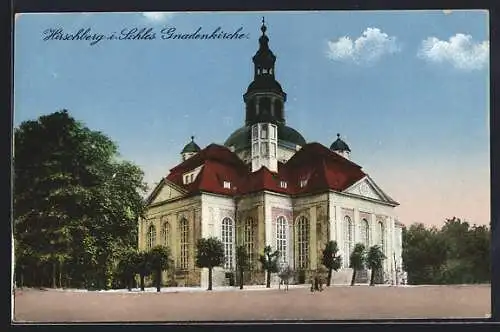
(338, 135)
(263, 28)
(192, 138)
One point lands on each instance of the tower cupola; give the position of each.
(190, 149)
(340, 147)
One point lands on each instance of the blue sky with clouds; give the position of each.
(408, 91)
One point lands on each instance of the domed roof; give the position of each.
(339, 145)
(191, 147)
(240, 138)
(265, 84)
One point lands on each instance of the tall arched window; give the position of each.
(228, 241)
(282, 238)
(348, 239)
(365, 233)
(381, 231)
(184, 235)
(165, 234)
(249, 240)
(151, 236)
(303, 242)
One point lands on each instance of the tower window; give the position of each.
(263, 149)
(265, 105)
(273, 150)
(278, 109)
(303, 183)
(255, 149)
(263, 131)
(272, 132)
(283, 184)
(227, 185)
(255, 132)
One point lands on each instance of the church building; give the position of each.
(268, 186)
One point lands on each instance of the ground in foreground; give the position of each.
(335, 303)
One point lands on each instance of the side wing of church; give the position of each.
(267, 186)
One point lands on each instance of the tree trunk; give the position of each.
(353, 280)
(241, 278)
(158, 280)
(209, 278)
(142, 282)
(268, 281)
(60, 274)
(372, 277)
(329, 278)
(54, 285)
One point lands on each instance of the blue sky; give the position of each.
(408, 91)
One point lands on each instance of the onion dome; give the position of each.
(339, 145)
(191, 147)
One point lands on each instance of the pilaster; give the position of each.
(312, 239)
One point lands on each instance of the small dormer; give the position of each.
(190, 150)
(340, 147)
(190, 176)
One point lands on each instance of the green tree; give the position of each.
(425, 254)
(357, 260)
(285, 275)
(269, 261)
(374, 260)
(76, 204)
(127, 267)
(331, 259)
(143, 266)
(160, 260)
(209, 254)
(241, 262)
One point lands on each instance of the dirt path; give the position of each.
(359, 302)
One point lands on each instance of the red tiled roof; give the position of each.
(322, 168)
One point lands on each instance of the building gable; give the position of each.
(367, 188)
(165, 191)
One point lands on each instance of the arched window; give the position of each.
(151, 236)
(303, 242)
(184, 234)
(348, 239)
(228, 241)
(249, 240)
(365, 233)
(282, 238)
(165, 234)
(381, 231)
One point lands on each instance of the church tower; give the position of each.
(264, 102)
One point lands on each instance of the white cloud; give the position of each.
(157, 16)
(460, 51)
(371, 46)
